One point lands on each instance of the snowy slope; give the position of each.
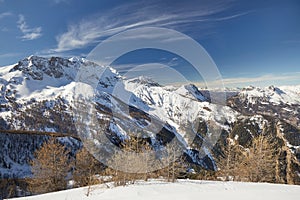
(46, 79)
(180, 108)
(181, 190)
(191, 91)
(280, 102)
(38, 94)
(275, 95)
(38, 86)
(180, 105)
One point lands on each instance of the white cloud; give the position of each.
(60, 1)
(265, 80)
(232, 16)
(294, 76)
(94, 29)
(4, 29)
(8, 55)
(28, 33)
(5, 14)
(89, 31)
(291, 42)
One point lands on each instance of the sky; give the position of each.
(251, 42)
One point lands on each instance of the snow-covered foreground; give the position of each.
(181, 190)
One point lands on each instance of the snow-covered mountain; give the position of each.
(38, 94)
(274, 95)
(282, 102)
(44, 87)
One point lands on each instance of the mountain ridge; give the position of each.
(37, 94)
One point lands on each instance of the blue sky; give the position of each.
(251, 42)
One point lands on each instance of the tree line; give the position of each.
(54, 167)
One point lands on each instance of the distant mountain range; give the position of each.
(37, 94)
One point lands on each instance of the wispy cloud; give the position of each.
(233, 16)
(90, 31)
(8, 55)
(4, 29)
(265, 80)
(96, 28)
(5, 14)
(291, 41)
(270, 77)
(60, 1)
(9, 58)
(28, 33)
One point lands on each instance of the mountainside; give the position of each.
(282, 102)
(279, 103)
(37, 94)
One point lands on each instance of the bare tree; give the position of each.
(131, 162)
(229, 163)
(173, 163)
(259, 164)
(86, 167)
(50, 168)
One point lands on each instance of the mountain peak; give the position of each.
(276, 90)
(36, 67)
(191, 91)
(144, 80)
